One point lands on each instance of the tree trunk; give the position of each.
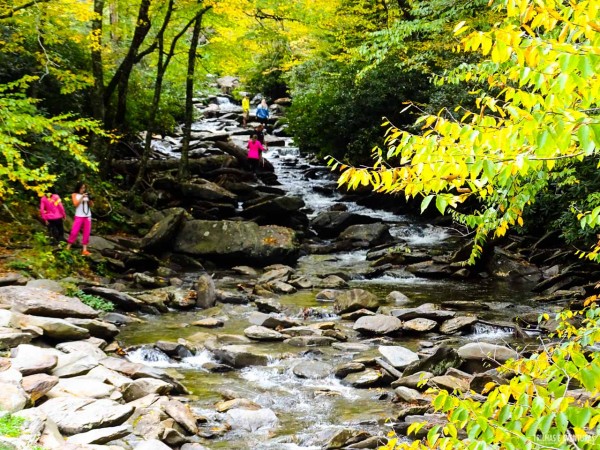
(98, 145)
(120, 79)
(163, 64)
(189, 104)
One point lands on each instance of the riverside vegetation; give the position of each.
(522, 156)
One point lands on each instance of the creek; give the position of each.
(308, 409)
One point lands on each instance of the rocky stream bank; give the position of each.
(259, 312)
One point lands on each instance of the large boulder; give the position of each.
(205, 190)
(354, 300)
(56, 329)
(330, 224)
(367, 235)
(162, 233)
(43, 302)
(236, 241)
(486, 351)
(277, 210)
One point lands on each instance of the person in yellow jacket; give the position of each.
(245, 110)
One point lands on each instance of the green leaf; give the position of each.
(425, 203)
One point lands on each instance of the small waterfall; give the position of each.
(490, 332)
(150, 356)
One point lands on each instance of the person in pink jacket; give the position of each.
(53, 214)
(255, 149)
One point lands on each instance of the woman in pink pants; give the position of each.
(83, 217)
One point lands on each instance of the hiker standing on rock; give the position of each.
(245, 110)
(262, 112)
(255, 149)
(260, 135)
(53, 214)
(83, 217)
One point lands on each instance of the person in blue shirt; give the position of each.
(262, 112)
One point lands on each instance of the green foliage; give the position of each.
(94, 301)
(43, 260)
(549, 401)
(535, 114)
(337, 114)
(29, 140)
(11, 425)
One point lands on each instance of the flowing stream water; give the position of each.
(307, 409)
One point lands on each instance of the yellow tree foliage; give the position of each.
(537, 109)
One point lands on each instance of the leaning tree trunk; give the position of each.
(163, 64)
(120, 79)
(189, 104)
(98, 144)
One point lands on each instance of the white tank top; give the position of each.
(83, 209)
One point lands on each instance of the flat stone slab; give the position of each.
(43, 302)
(398, 356)
(78, 415)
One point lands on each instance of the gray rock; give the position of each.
(53, 328)
(370, 235)
(268, 305)
(486, 351)
(301, 282)
(201, 189)
(145, 386)
(38, 385)
(162, 233)
(97, 328)
(30, 359)
(206, 296)
(236, 403)
(377, 324)
(10, 338)
(480, 380)
(355, 299)
(240, 356)
(426, 311)
(357, 314)
(409, 395)
(100, 436)
(331, 223)
(237, 241)
(351, 347)
(310, 341)
(77, 415)
(398, 298)
(419, 325)
(209, 322)
(12, 397)
(73, 364)
(272, 321)
(344, 438)
(413, 381)
(312, 369)
(281, 274)
(438, 363)
(122, 300)
(84, 387)
(49, 285)
(233, 298)
(398, 356)
(328, 295)
(449, 383)
(181, 414)
(457, 324)
(42, 302)
(333, 282)
(82, 347)
(367, 379)
(346, 369)
(260, 333)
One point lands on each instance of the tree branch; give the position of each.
(15, 9)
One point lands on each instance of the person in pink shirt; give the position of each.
(53, 214)
(255, 149)
(83, 217)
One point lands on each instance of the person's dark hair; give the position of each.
(254, 136)
(78, 186)
(51, 190)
